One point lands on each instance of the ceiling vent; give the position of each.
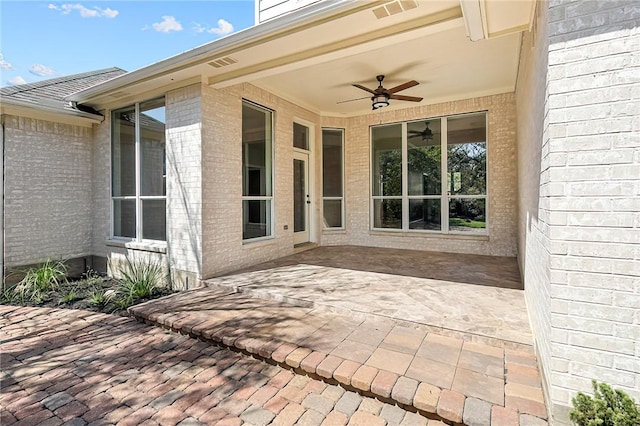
(222, 62)
(394, 7)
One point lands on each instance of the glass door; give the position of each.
(301, 198)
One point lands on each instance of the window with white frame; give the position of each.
(333, 178)
(138, 170)
(431, 175)
(257, 171)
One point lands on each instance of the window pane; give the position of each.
(124, 218)
(387, 160)
(332, 211)
(424, 214)
(467, 215)
(332, 163)
(256, 218)
(152, 148)
(424, 157)
(123, 153)
(387, 214)
(467, 155)
(256, 151)
(299, 197)
(154, 220)
(300, 136)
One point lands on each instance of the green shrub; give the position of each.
(38, 282)
(608, 407)
(139, 280)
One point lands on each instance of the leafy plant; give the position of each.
(38, 282)
(100, 297)
(608, 407)
(70, 296)
(139, 280)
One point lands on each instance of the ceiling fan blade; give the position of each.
(406, 98)
(366, 89)
(403, 86)
(351, 100)
(416, 136)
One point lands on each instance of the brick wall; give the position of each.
(48, 185)
(184, 184)
(588, 227)
(223, 248)
(502, 193)
(594, 112)
(534, 187)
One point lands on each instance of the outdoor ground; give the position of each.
(62, 366)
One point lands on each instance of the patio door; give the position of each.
(301, 197)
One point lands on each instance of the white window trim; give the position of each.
(342, 199)
(138, 198)
(444, 195)
(271, 197)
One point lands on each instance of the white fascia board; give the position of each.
(49, 113)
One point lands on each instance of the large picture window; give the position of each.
(138, 172)
(431, 175)
(333, 178)
(257, 158)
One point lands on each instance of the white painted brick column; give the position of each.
(184, 185)
(593, 168)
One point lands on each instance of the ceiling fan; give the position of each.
(381, 95)
(425, 135)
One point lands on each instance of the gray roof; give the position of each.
(51, 93)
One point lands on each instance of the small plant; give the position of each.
(38, 282)
(92, 277)
(70, 296)
(139, 280)
(100, 298)
(608, 407)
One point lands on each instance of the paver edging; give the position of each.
(264, 350)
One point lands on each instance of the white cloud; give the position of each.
(85, 12)
(17, 80)
(167, 24)
(41, 70)
(4, 65)
(223, 28)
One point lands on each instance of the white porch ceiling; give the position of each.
(446, 64)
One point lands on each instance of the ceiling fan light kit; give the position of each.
(380, 101)
(381, 96)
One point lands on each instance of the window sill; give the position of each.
(259, 242)
(159, 247)
(334, 231)
(433, 235)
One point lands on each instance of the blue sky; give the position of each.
(40, 40)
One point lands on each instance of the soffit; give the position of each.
(446, 64)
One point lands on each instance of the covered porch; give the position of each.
(474, 297)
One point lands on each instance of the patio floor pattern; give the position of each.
(452, 379)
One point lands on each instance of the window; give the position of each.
(332, 178)
(138, 172)
(430, 175)
(257, 155)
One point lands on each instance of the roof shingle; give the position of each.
(51, 93)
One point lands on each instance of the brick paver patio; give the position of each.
(404, 365)
(78, 367)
